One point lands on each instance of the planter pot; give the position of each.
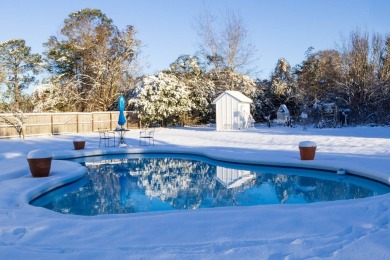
(40, 167)
(39, 162)
(307, 150)
(79, 145)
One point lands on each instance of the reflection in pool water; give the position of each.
(156, 183)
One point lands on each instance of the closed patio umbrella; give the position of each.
(121, 106)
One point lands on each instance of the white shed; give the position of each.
(232, 111)
(282, 115)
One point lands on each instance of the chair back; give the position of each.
(147, 133)
(103, 133)
(150, 133)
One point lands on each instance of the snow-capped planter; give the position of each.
(79, 143)
(39, 162)
(307, 150)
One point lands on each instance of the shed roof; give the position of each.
(284, 108)
(236, 95)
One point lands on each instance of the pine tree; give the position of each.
(18, 67)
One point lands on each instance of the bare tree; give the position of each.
(237, 49)
(227, 47)
(384, 68)
(361, 63)
(17, 120)
(210, 42)
(357, 76)
(319, 76)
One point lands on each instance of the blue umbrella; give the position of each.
(121, 105)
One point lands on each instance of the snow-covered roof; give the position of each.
(284, 108)
(236, 95)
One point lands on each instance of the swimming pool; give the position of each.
(120, 184)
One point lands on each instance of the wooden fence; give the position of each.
(65, 123)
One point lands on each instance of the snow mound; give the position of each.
(307, 144)
(38, 154)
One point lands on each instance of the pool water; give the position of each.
(143, 183)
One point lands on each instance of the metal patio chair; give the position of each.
(105, 136)
(146, 137)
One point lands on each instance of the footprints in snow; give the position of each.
(9, 237)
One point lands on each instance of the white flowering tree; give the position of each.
(162, 99)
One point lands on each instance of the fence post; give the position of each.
(111, 120)
(51, 124)
(77, 123)
(92, 117)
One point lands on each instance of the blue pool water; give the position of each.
(142, 183)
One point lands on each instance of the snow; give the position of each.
(236, 95)
(38, 154)
(307, 144)
(353, 229)
(79, 139)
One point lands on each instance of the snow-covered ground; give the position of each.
(353, 229)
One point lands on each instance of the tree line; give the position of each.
(91, 61)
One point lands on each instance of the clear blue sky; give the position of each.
(278, 28)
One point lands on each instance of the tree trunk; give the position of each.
(16, 90)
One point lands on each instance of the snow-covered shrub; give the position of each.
(16, 119)
(51, 97)
(162, 99)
